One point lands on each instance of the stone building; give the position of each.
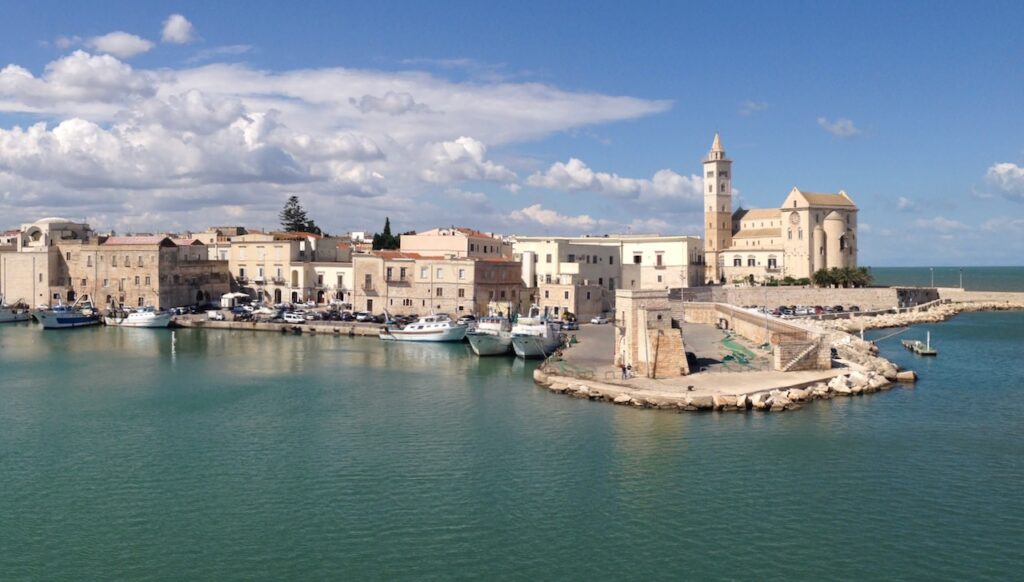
(218, 240)
(457, 242)
(581, 274)
(57, 260)
(406, 283)
(808, 232)
(644, 336)
(292, 267)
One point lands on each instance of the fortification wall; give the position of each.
(868, 298)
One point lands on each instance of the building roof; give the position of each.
(757, 214)
(135, 240)
(716, 146)
(828, 199)
(186, 242)
(395, 255)
(757, 233)
(295, 235)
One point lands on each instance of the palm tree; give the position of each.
(822, 278)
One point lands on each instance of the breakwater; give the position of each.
(313, 327)
(966, 302)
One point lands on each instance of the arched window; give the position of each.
(751, 261)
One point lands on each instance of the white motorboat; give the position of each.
(68, 316)
(142, 317)
(492, 336)
(429, 328)
(11, 313)
(535, 336)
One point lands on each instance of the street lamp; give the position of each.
(932, 269)
(961, 279)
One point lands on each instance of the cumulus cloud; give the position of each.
(575, 176)
(111, 139)
(1009, 179)
(904, 204)
(120, 44)
(750, 107)
(537, 214)
(842, 128)
(941, 225)
(391, 103)
(177, 30)
(462, 159)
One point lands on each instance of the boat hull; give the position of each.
(158, 320)
(9, 316)
(50, 320)
(490, 344)
(533, 346)
(451, 334)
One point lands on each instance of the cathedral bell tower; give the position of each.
(717, 209)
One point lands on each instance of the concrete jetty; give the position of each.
(350, 328)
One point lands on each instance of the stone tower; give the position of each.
(717, 208)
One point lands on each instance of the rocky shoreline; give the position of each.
(935, 314)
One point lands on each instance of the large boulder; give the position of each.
(839, 382)
(858, 378)
(742, 402)
(779, 403)
(908, 376)
(723, 400)
(798, 394)
(758, 401)
(702, 402)
(622, 399)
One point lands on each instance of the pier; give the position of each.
(350, 328)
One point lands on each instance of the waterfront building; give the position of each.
(57, 260)
(9, 238)
(292, 267)
(581, 274)
(456, 242)
(218, 240)
(410, 283)
(808, 232)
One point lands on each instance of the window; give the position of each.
(69, 255)
(140, 260)
(462, 293)
(341, 279)
(40, 277)
(147, 281)
(566, 294)
(548, 257)
(503, 294)
(401, 274)
(105, 283)
(588, 294)
(611, 260)
(571, 258)
(711, 188)
(723, 174)
(737, 262)
(84, 282)
(142, 301)
(241, 273)
(440, 291)
(791, 234)
(772, 263)
(751, 262)
(710, 174)
(127, 261)
(636, 259)
(424, 273)
(472, 247)
(113, 261)
(800, 234)
(658, 259)
(600, 280)
(659, 278)
(490, 294)
(462, 274)
(389, 273)
(88, 261)
(611, 283)
(440, 273)
(320, 279)
(546, 295)
(136, 280)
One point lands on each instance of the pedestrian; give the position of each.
(629, 370)
(623, 368)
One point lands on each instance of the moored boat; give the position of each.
(535, 336)
(492, 337)
(429, 328)
(67, 316)
(143, 317)
(12, 313)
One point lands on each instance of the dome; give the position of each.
(834, 215)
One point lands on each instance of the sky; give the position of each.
(518, 117)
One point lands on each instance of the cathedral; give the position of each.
(808, 232)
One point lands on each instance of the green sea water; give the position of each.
(186, 455)
(973, 278)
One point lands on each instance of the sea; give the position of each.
(227, 455)
(972, 278)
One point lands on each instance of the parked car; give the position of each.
(292, 317)
(571, 325)
(854, 308)
(215, 315)
(837, 309)
(364, 316)
(599, 320)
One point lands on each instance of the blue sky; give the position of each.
(521, 118)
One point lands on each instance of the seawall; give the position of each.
(321, 327)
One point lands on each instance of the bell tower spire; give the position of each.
(717, 209)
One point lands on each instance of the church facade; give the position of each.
(808, 232)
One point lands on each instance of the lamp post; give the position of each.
(961, 279)
(932, 269)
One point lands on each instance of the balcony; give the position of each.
(259, 280)
(368, 288)
(277, 280)
(242, 280)
(398, 281)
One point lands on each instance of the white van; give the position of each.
(294, 318)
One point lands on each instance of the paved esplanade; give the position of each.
(594, 355)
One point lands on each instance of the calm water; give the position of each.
(974, 278)
(228, 455)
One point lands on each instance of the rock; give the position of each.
(779, 403)
(622, 399)
(559, 388)
(909, 376)
(798, 394)
(540, 377)
(702, 402)
(582, 392)
(889, 371)
(877, 382)
(742, 402)
(757, 401)
(842, 390)
(839, 382)
(722, 400)
(858, 378)
(856, 390)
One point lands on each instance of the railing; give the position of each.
(398, 281)
(242, 280)
(277, 280)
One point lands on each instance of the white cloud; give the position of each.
(576, 176)
(1009, 178)
(217, 52)
(66, 42)
(537, 214)
(391, 103)
(85, 81)
(941, 225)
(462, 159)
(843, 128)
(750, 107)
(905, 204)
(120, 44)
(177, 30)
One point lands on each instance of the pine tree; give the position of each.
(385, 240)
(293, 216)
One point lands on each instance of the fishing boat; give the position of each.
(429, 328)
(492, 336)
(142, 317)
(921, 348)
(535, 336)
(12, 313)
(68, 316)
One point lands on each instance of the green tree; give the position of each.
(384, 240)
(823, 278)
(294, 219)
